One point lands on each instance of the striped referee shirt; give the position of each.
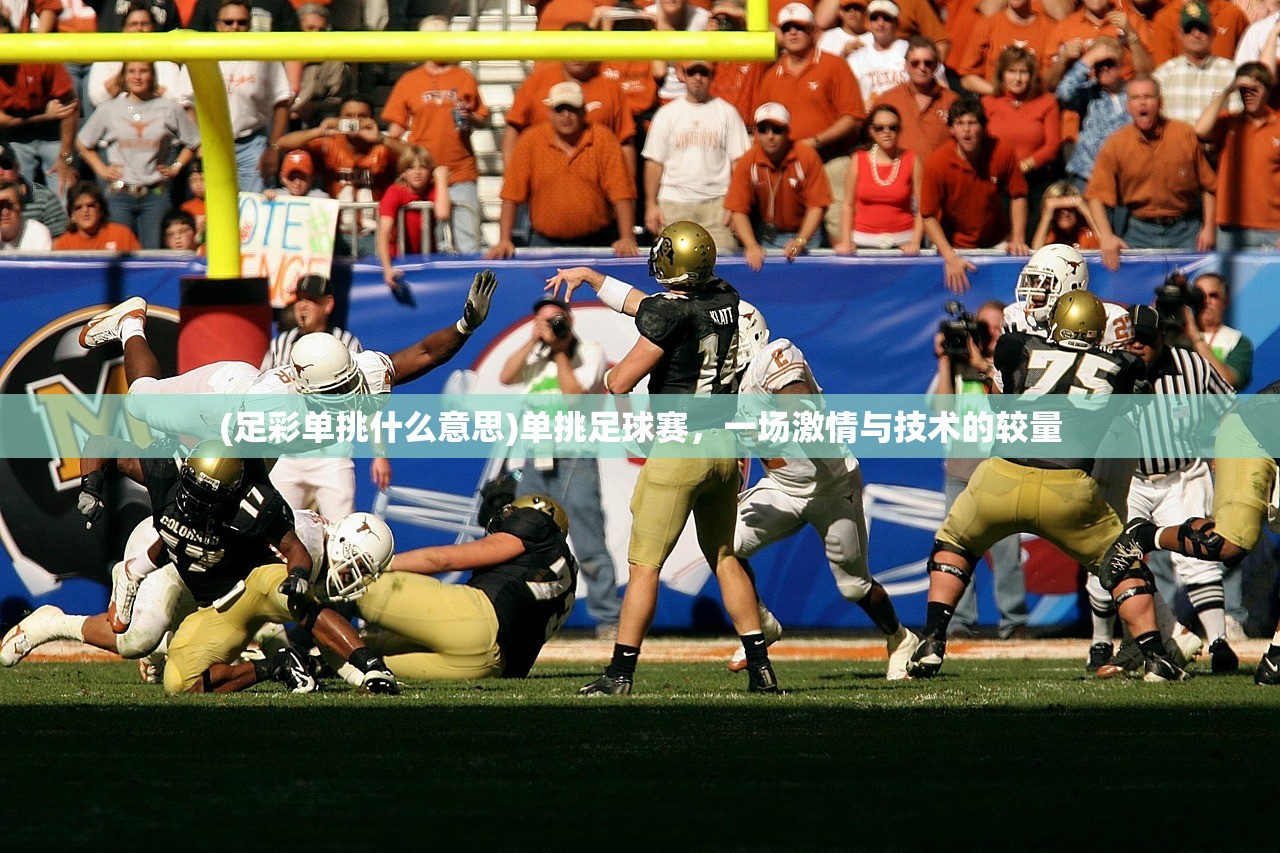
(1166, 431)
(278, 354)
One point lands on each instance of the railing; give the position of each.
(349, 226)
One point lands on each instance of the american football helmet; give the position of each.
(753, 333)
(1053, 270)
(208, 478)
(683, 257)
(1078, 320)
(326, 367)
(359, 548)
(543, 504)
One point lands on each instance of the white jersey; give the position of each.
(777, 365)
(1115, 335)
(310, 525)
(376, 367)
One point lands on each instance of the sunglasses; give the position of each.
(698, 71)
(87, 205)
(880, 128)
(881, 16)
(5, 204)
(923, 63)
(853, 7)
(234, 22)
(790, 28)
(564, 108)
(764, 128)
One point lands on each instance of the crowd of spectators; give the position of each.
(898, 124)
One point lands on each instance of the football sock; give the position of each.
(66, 627)
(1151, 645)
(623, 664)
(129, 327)
(879, 607)
(937, 618)
(1214, 621)
(756, 648)
(1166, 622)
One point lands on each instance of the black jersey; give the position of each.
(213, 553)
(698, 334)
(533, 594)
(1033, 365)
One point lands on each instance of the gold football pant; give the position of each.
(437, 631)
(667, 491)
(1063, 506)
(1243, 476)
(219, 633)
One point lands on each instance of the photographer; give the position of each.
(1227, 349)
(557, 361)
(964, 347)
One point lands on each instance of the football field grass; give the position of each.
(992, 754)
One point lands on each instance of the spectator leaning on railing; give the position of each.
(89, 229)
(18, 234)
(421, 180)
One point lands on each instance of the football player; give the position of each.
(321, 368)
(1243, 498)
(1056, 499)
(687, 345)
(520, 592)
(824, 493)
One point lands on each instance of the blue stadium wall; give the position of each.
(866, 325)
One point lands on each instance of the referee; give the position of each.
(1172, 482)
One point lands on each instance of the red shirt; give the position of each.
(778, 194)
(886, 208)
(966, 198)
(396, 197)
(1033, 128)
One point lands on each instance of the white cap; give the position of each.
(887, 6)
(774, 113)
(797, 13)
(569, 93)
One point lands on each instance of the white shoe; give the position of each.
(1188, 645)
(104, 327)
(772, 630)
(902, 645)
(26, 635)
(1235, 631)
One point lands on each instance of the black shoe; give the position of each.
(1099, 655)
(1162, 669)
(1268, 671)
(291, 669)
(927, 659)
(1125, 551)
(1222, 658)
(760, 678)
(607, 685)
(1127, 660)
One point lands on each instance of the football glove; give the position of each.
(90, 502)
(296, 584)
(478, 299)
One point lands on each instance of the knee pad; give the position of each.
(850, 573)
(946, 568)
(1132, 591)
(1203, 544)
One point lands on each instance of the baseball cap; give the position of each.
(1146, 323)
(7, 158)
(697, 63)
(297, 161)
(796, 13)
(566, 94)
(1196, 13)
(551, 300)
(774, 113)
(885, 6)
(314, 286)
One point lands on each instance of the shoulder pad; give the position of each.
(658, 318)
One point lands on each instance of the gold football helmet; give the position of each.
(683, 257)
(543, 504)
(208, 478)
(1078, 320)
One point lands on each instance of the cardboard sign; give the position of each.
(285, 239)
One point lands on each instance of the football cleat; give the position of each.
(104, 327)
(1222, 658)
(34, 630)
(380, 681)
(1163, 669)
(1127, 660)
(607, 685)
(291, 669)
(926, 660)
(761, 679)
(1125, 551)
(901, 645)
(1268, 671)
(1183, 647)
(1099, 656)
(772, 630)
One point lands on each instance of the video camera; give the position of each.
(958, 329)
(1172, 295)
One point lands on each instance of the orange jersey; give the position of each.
(423, 101)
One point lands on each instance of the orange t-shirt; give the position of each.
(638, 84)
(966, 197)
(1248, 170)
(778, 194)
(1084, 238)
(554, 14)
(111, 237)
(1229, 24)
(606, 104)
(823, 90)
(335, 154)
(1154, 177)
(964, 21)
(923, 130)
(996, 33)
(569, 195)
(739, 84)
(423, 101)
(1078, 25)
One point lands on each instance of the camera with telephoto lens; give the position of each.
(560, 326)
(958, 329)
(1172, 295)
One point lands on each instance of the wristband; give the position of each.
(614, 293)
(463, 328)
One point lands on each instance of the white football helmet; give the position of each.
(753, 334)
(326, 367)
(358, 548)
(1053, 270)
